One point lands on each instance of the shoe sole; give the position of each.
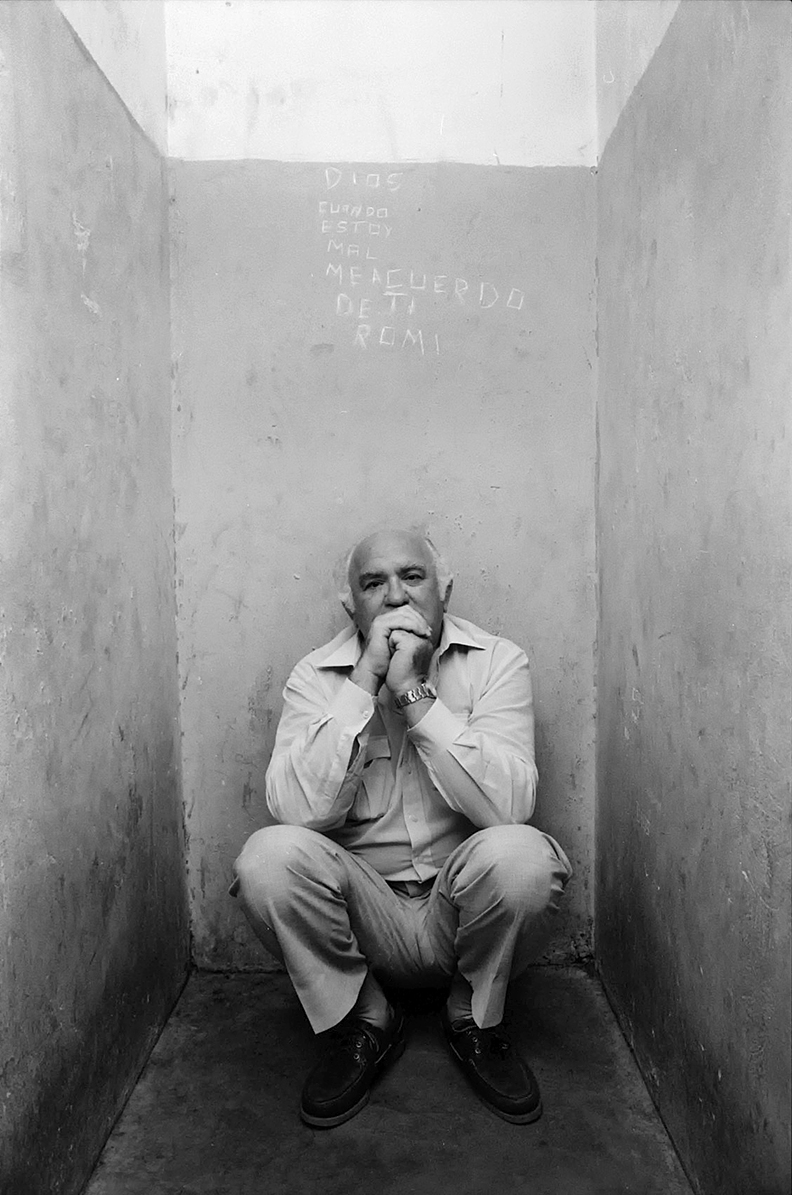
(511, 1117)
(523, 1118)
(392, 1054)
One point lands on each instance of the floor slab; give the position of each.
(216, 1108)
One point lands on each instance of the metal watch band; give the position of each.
(416, 694)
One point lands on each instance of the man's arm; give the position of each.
(484, 766)
(317, 762)
(319, 752)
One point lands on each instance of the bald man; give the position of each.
(402, 780)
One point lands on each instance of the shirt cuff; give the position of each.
(438, 728)
(352, 706)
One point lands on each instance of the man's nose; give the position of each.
(396, 595)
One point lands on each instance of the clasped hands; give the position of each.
(397, 652)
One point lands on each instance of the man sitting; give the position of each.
(402, 777)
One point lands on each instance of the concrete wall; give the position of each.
(295, 431)
(271, 376)
(693, 911)
(293, 436)
(126, 39)
(481, 81)
(627, 33)
(92, 900)
(307, 408)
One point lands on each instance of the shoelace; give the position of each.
(351, 1041)
(499, 1044)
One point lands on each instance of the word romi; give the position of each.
(389, 338)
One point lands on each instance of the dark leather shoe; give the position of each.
(339, 1085)
(495, 1070)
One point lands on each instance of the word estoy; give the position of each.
(363, 220)
(356, 228)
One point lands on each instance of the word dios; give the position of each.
(373, 181)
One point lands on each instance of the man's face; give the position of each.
(392, 569)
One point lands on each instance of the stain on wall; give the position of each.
(693, 876)
(328, 378)
(92, 896)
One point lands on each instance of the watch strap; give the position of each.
(417, 694)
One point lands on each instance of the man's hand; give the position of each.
(410, 661)
(374, 664)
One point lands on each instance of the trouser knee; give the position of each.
(273, 858)
(518, 864)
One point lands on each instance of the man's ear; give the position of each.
(346, 601)
(447, 594)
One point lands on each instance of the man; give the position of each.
(402, 778)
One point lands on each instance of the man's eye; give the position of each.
(371, 584)
(414, 577)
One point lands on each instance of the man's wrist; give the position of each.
(416, 689)
(423, 697)
(364, 679)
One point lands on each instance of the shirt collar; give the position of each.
(453, 634)
(346, 655)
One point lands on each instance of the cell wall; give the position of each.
(432, 365)
(92, 913)
(693, 881)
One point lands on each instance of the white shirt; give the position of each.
(345, 763)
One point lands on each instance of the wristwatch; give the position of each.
(416, 694)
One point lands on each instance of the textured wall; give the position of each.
(92, 909)
(291, 440)
(693, 915)
(126, 38)
(479, 81)
(627, 33)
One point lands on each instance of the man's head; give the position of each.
(396, 568)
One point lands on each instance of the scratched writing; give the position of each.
(351, 209)
(374, 296)
(351, 250)
(371, 180)
(357, 228)
(389, 338)
(395, 303)
(360, 220)
(483, 294)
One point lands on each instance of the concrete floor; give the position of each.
(216, 1108)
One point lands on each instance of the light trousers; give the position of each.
(330, 917)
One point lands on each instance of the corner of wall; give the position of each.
(627, 35)
(126, 39)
